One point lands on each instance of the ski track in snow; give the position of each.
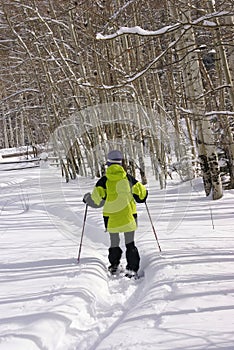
(49, 302)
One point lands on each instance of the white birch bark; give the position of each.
(194, 89)
(227, 63)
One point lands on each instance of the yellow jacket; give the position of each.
(120, 191)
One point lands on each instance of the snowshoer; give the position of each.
(118, 193)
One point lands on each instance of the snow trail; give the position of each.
(48, 302)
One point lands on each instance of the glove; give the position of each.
(87, 197)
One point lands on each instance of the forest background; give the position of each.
(152, 78)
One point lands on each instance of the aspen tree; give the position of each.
(196, 103)
(227, 66)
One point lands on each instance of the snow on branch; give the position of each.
(219, 113)
(204, 21)
(206, 114)
(139, 31)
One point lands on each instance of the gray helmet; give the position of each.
(114, 157)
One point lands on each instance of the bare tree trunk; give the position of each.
(196, 103)
(5, 132)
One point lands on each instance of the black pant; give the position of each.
(132, 256)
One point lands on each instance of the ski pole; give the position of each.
(154, 231)
(82, 233)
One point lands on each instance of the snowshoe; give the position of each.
(113, 269)
(132, 274)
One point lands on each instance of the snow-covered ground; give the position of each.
(49, 302)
